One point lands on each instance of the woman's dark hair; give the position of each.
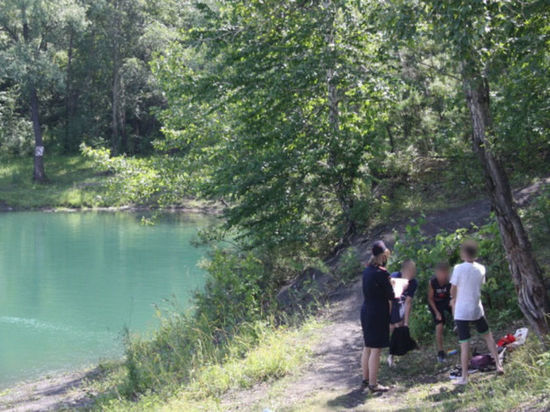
(379, 260)
(378, 248)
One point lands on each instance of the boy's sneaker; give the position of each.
(460, 381)
(378, 388)
(441, 356)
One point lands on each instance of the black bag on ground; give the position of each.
(401, 341)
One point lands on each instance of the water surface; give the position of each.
(71, 282)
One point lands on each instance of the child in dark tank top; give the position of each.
(439, 303)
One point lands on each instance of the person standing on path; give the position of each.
(375, 314)
(402, 305)
(439, 302)
(466, 281)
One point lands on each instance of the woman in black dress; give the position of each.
(375, 314)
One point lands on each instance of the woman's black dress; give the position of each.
(375, 313)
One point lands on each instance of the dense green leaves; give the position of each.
(283, 112)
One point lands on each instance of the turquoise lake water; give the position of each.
(71, 282)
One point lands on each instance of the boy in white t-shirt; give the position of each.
(466, 281)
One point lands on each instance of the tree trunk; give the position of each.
(390, 135)
(115, 108)
(68, 94)
(526, 273)
(39, 175)
(115, 90)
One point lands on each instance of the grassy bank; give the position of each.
(74, 182)
(278, 353)
(80, 182)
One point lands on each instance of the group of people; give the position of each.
(387, 307)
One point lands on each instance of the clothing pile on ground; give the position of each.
(484, 362)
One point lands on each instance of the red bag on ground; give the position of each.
(506, 340)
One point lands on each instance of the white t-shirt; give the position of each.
(468, 277)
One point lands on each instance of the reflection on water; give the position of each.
(71, 282)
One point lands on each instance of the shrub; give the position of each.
(349, 265)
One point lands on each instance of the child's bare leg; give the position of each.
(465, 358)
(439, 336)
(493, 349)
(374, 365)
(365, 363)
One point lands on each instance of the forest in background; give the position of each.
(309, 121)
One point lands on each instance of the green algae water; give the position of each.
(71, 282)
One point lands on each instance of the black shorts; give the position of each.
(442, 306)
(463, 328)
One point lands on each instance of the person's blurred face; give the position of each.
(409, 271)
(442, 276)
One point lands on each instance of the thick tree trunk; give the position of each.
(526, 273)
(39, 175)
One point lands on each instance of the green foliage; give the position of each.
(498, 293)
(349, 265)
(89, 61)
(15, 131)
(154, 181)
(284, 133)
(240, 282)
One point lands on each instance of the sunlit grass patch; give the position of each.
(73, 182)
(278, 352)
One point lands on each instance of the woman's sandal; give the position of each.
(378, 388)
(365, 383)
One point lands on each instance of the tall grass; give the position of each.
(258, 353)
